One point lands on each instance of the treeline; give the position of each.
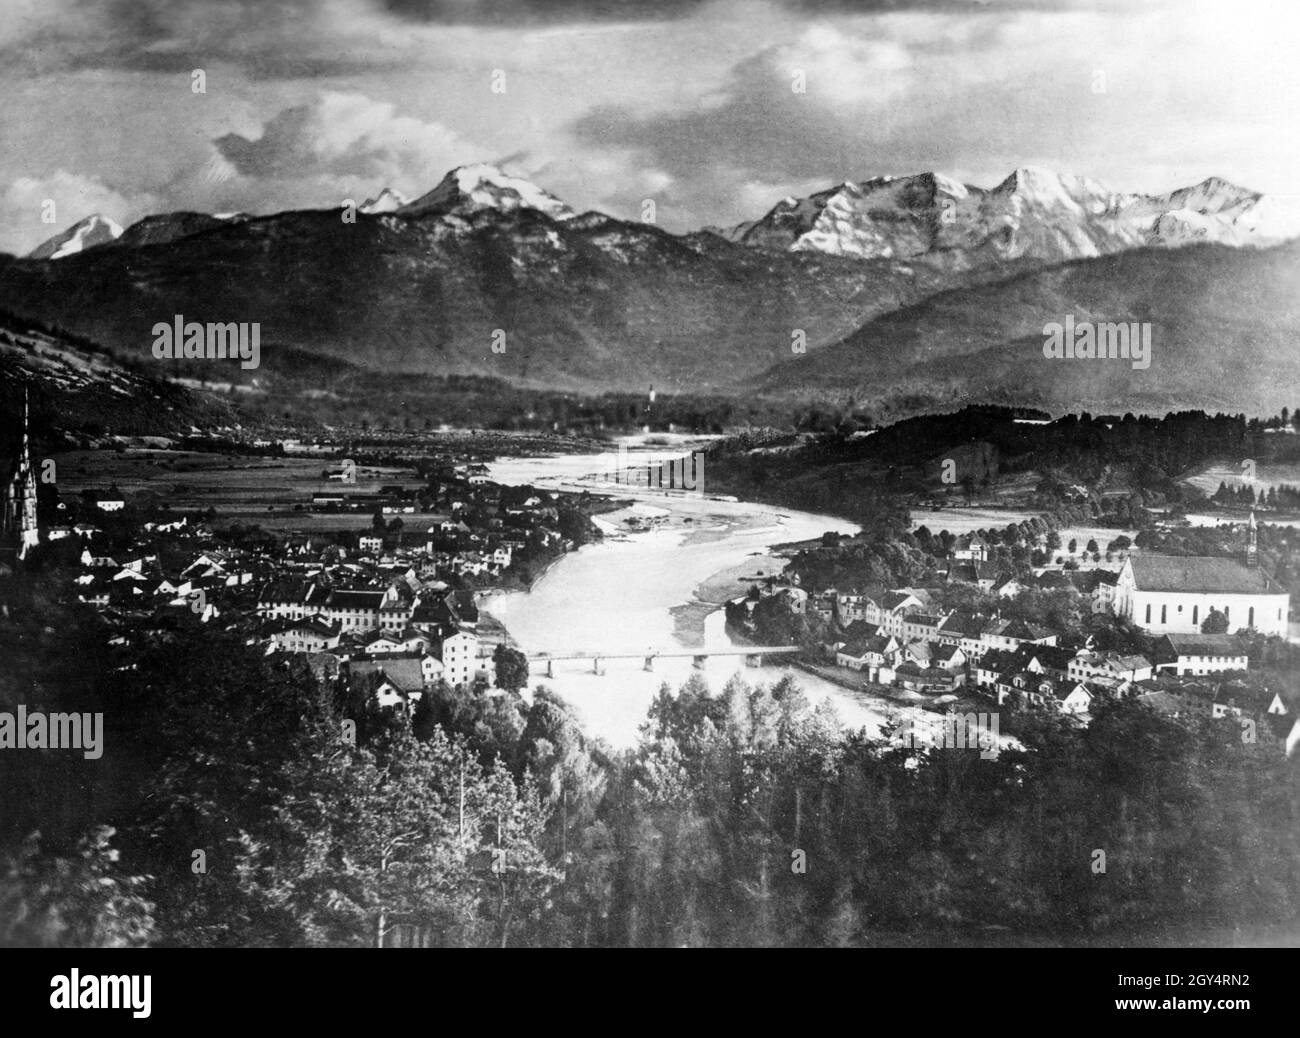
(256, 805)
(1106, 468)
(341, 394)
(1282, 496)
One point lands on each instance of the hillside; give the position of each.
(1225, 329)
(76, 389)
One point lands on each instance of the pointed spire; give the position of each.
(26, 414)
(19, 495)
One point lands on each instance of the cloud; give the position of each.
(976, 98)
(514, 12)
(286, 39)
(789, 111)
(26, 201)
(312, 101)
(346, 135)
(281, 39)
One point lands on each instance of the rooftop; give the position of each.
(1202, 574)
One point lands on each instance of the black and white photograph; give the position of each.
(710, 474)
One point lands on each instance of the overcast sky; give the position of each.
(605, 104)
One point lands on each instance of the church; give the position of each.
(1166, 594)
(19, 533)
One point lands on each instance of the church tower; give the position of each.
(1252, 542)
(18, 527)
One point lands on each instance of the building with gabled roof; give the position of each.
(1201, 654)
(1168, 594)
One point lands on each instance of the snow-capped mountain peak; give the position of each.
(95, 229)
(1034, 212)
(948, 186)
(387, 201)
(482, 186)
(1032, 179)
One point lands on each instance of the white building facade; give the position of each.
(1174, 595)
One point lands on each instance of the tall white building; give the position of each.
(1173, 595)
(459, 654)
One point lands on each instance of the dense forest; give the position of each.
(239, 801)
(1120, 463)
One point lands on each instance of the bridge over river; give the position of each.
(753, 655)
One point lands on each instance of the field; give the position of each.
(1264, 518)
(261, 490)
(1103, 535)
(958, 521)
(1266, 475)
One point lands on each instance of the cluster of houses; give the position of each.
(402, 639)
(1162, 594)
(380, 606)
(463, 528)
(431, 624)
(1188, 676)
(897, 642)
(902, 640)
(320, 603)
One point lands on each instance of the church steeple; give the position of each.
(18, 521)
(1252, 542)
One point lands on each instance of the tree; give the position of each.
(1073, 546)
(511, 668)
(78, 902)
(1215, 622)
(424, 718)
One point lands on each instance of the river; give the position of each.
(659, 588)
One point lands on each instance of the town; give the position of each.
(1148, 627)
(393, 608)
(390, 607)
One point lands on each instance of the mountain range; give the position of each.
(916, 287)
(1033, 212)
